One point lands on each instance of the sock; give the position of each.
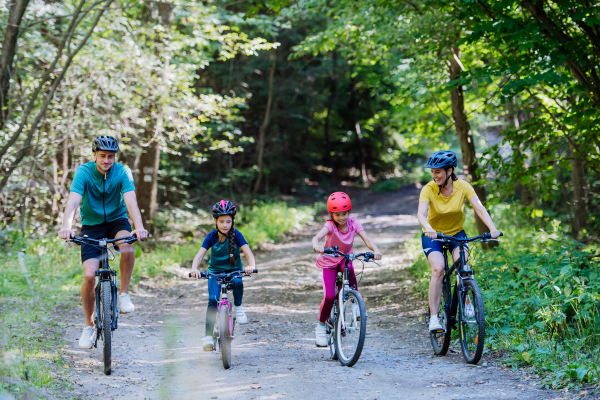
(322, 324)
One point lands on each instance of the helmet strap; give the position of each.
(448, 176)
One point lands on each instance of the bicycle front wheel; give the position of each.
(350, 329)
(107, 316)
(225, 336)
(471, 322)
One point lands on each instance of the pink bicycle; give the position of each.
(223, 333)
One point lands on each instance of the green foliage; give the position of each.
(540, 290)
(266, 222)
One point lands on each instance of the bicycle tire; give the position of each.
(107, 316)
(472, 351)
(331, 332)
(440, 341)
(346, 357)
(225, 336)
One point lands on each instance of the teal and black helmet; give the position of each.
(106, 143)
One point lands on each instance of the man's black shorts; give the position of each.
(104, 230)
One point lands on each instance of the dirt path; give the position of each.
(158, 351)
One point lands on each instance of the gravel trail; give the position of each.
(158, 352)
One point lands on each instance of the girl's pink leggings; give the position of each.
(329, 275)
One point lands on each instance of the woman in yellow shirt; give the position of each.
(441, 209)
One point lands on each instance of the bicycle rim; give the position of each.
(225, 336)
(106, 310)
(350, 338)
(472, 324)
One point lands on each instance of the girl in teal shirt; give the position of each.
(225, 243)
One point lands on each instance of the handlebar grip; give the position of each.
(440, 235)
(255, 271)
(329, 250)
(501, 234)
(202, 274)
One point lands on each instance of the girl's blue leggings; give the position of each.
(214, 295)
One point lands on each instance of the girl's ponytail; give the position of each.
(231, 235)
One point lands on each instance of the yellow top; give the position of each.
(446, 214)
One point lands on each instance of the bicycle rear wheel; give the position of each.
(107, 316)
(331, 331)
(225, 336)
(350, 337)
(440, 341)
(471, 322)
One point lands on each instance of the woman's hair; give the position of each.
(231, 235)
(454, 178)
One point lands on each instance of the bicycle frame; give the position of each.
(223, 301)
(105, 274)
(463, 271)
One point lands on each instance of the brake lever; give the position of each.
(489, 240)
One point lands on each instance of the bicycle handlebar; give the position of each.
(334, 250)
(206, 274)
(81, 240)
(485, 237)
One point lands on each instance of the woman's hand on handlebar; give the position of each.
(431, 234)
(495, 234)
(195, 273)
(319, 249)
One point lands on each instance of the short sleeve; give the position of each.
(209, 241)
(424, 196)
(240, 240)
(127, 184)
(356, 226)
(469, 191)
(329, 225)
(78, 184)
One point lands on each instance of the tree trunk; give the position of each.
(355, 127)
(263, 129)
(7, 56)
(149, 161)
(332, 90)
(147, 188)
(580, 200)
(465, 136)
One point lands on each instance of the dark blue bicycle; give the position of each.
(106, 314)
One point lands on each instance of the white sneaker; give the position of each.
(240, 315)
(469, 309)
(88, 337)
(124, 303)
(321, 335)
(208, 344)
(434, 324)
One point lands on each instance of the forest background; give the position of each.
(274, 103)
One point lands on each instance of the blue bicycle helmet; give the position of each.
(105, 143)
(442, 159)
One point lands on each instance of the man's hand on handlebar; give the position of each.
(195, 273)
(66, 234)
(140, 233)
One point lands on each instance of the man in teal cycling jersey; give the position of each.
(106, 192)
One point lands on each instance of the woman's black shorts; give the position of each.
(105, 230)
(430, 245)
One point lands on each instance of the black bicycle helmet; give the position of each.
(442, 159)
(223, 207)
(106, 143)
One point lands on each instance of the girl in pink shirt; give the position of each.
(338, 231)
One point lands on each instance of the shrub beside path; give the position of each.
(158, 350)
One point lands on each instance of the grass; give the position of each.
(541, 296)
(33, 313)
